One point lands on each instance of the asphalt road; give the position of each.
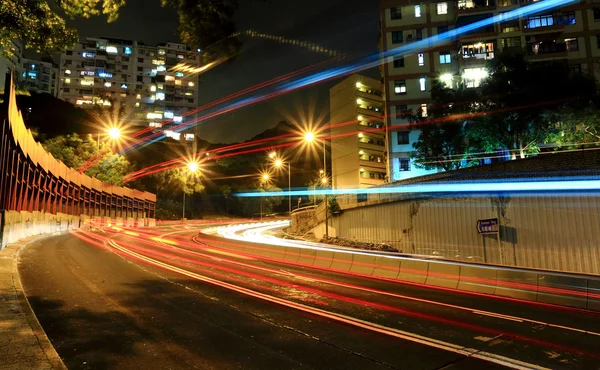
(163, 301)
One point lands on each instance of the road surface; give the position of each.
(163, 299)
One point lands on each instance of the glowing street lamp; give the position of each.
(192, 167)
(278, 163)
(114, 133)
(272, 155)
(266, 177)
(309, 137)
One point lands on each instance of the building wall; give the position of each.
(584, 56)
(358, 136)
(137, 80)
(13, 63)
(39, 76)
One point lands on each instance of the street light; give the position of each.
(114, 133)
(309, 137)
(272, 155)
(279, 163)
(193, 168)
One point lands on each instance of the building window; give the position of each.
(424, 112)
(596, 14)
(140, 60)
(400, 87)
(575, 68)
(421, 58)
(445, 57)
(442, 29)
(417, 11)
(396, 13)
(66, 89)
(398, 62)
(404, 164)
(567, 18)
(572, 44)
(510, 27)
(125, 59)
(511, 42)
(442, 8)
(397, 37)
(598, 41)
(69, 52)
(422, 83)
(401, 111)
(403, 137)
(539, 21)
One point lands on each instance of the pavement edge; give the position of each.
(51, 355)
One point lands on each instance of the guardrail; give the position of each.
(545, 287)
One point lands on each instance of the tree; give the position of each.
(514, 110)
(442, 142)
(40, 25)
(74, 151)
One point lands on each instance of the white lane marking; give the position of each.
(497, 315)
(431, 342)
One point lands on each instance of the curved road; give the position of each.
(166, 298)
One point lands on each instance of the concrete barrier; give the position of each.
(478, 279)
(413, 270)
(323, 259)
(292, 254)
(307, 256)
(363, 264)
(562, 290)
(517, 284)
(444, 275)
(387, 267)
(593, 291)
(342, 261)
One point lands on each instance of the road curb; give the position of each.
(47, 348)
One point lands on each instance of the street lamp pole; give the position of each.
(290, 188)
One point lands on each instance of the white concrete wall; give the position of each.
(552, 232)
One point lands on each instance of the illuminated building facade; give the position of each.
(138, 81)
(13, 62)
(358, 144)
(570, 33)
(39, 76)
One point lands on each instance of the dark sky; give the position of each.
(348, 26)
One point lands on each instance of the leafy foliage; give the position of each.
(515, 109)
(74, 150)
(39, 24)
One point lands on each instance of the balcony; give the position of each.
(368, 93)
(542, 23)
(372, 163)
(546, 49)
(475, 6)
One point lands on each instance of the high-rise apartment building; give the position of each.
(138, 81)
(570, 33)
(358, 144)
(11, 63)
(39, 76)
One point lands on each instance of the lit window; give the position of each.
(67, 80)
(417, 11)
(189, 93)
(68, 72)
(161, 68)
(423, 110)
(178, 74)
(189, 137)
(177, 82)
(152, 88)
(86, 82)
(168, 114)
(88, 55)
(127, 50)
(190, 84)
(158, 62)
(400, 87)
(160, 86)
(151, 115)
(177, 119)
(137, 104)
(169, 78)
(123, 86)
(107, 84)
(421, 59)
(160, 96)
(161, 52)
(422, 83)
(179, 56)
(138, 96)
(155, 124)
(123, 95)
(442, 8)
(111, 50)
(173, 135)
(445, 58)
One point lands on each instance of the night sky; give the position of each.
(348, 26)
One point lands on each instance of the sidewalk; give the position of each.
(23, 343)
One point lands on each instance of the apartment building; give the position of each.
(358, 144)
(145, 84)
(12, 62)
(40, 76)
(570, 33)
